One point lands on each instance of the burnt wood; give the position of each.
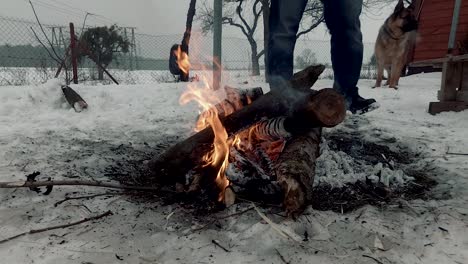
(305, 109)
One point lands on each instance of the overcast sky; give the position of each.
(154, 17)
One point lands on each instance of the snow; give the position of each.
(40, 132)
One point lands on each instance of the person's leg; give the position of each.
(342, 19)
(285, 17)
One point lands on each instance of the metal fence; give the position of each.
(24, 61)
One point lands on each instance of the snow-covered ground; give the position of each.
(38, 132)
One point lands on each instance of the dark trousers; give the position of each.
(342, 19)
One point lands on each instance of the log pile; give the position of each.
(289, 126)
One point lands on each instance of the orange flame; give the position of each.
(182, 60)
(207, 98)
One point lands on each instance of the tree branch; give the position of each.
(35, 231)
(231, 22)
(256, 15)
(45, 47)
(43, 32)
(310, 28)
(239, 13)
(260, 54)
(29, 184)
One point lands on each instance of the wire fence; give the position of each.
(24, 61)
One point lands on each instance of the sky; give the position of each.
(155, 17)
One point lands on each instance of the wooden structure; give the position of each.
(442, 45)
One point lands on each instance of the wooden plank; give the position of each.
(433, 63)
(451, 81)
(429, 55)
(463, 57)
(438, 107)
(458, 58)
(462, 96)
(464, 81)
(438, 37)
(431, 45)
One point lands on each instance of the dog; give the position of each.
(393, 43)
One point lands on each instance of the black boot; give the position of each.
(359, 105)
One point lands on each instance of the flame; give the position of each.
(182, 60)
(202, 93)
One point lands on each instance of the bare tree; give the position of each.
(245, 15)
(242, 16)
(306, 58)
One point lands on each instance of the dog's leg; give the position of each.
(388, 69)
(397, 66)
(380, 70)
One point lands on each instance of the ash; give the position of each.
(337, 169)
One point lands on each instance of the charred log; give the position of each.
(325, 108)
(74, 99)
(295, 170)
(237, 99)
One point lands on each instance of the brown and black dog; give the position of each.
(393, 42)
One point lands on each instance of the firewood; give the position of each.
(325, 108)
(237, 99)
(74, 99)
(295, 170)
(305, 79)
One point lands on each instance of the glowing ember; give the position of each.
(182, 60)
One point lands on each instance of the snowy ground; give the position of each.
(39, 133)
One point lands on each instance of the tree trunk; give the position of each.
(255, 59)
(184, 76)
(266, 34)
(100, 73)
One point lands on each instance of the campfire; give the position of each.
(277, 135)
(217, 158)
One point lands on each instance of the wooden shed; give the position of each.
(442, 45)
(435, 23)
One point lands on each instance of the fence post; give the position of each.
(134, 48)
(73, 53)
(217, 43)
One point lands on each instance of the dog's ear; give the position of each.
(399, 7)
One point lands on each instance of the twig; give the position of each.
(224, 217)
(388, 162)
(235, 214)
(35, 231)
(26, 184)
(240, 198)
(457, 154)
(85, 197)
(273, 225)
(376, 260)
(219, 245)
(281, 257)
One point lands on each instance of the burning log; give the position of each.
(290, 114)
(325, 108)
(236, 99)
(295, 170)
